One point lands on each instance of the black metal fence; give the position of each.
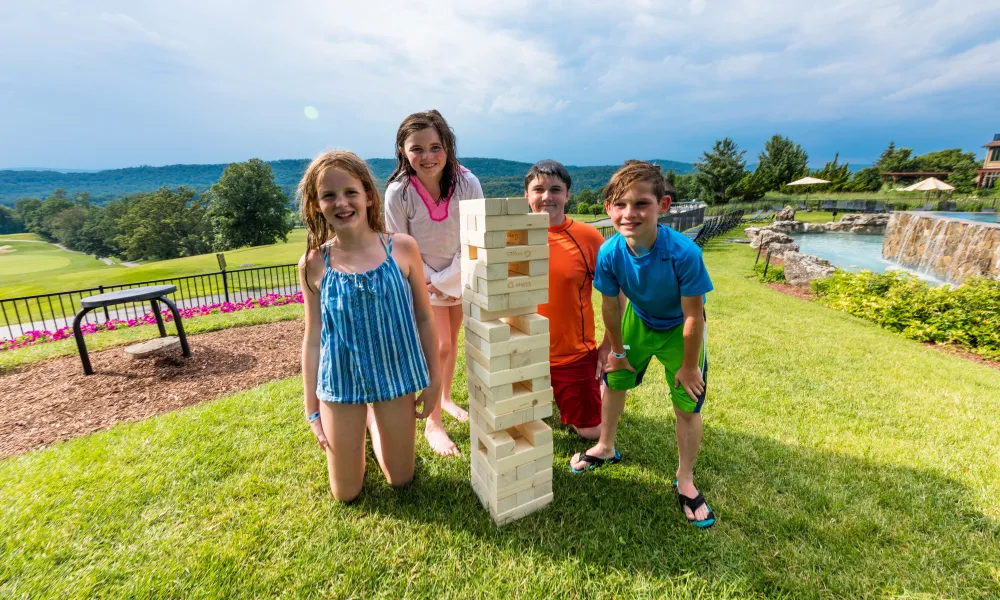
(688, 217)
(53, 311)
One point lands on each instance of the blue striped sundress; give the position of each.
(369, 347)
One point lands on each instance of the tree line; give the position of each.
(243, 208)
(722, 176)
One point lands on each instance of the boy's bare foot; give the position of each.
(687, 488)
(597, 451)
(456, 411)
(438, 438)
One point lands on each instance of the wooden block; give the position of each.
(518, 343)
(518, 206)
(496, 393)
(498, 445)
(530, 267)
(492, 379)
(481, 314)
(524, 452)
(538, 383)
(543, 411)
(534, 297)
(525, 497)
(519, 283)
(527, 237)
(488, 272)
(489, 256)
(490, 303)
(526, 471)
(504, 485)
(490, 422)
(509, 222)
(153, 347)
(543, 488)
(530, 324)
(531, 357)
(483, 206)
(522, 511)
(536, 432)
(522, 397)
(543, 463)
(484, 239)
(491, 331)
(496, 363)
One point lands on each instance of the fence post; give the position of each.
(767, 264)
(759, 250)
(107, 317)
(225, 279)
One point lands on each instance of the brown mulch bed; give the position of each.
(53, 401)
(802, 292)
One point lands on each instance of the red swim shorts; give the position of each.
(577, 392)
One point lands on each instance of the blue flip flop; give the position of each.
(594, 462)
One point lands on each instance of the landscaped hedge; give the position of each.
(967, 315)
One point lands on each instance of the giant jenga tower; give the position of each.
(505, 268)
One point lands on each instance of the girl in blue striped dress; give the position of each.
(369, 346)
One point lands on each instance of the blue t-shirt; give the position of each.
(654, 282)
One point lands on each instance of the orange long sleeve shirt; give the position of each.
(573, 248)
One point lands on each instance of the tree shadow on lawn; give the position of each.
(794, 520)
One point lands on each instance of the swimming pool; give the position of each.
(968, 216)
(853, 252)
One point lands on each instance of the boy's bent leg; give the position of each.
(578, 395)
(344, 426)
(612, 406)
(393, 435)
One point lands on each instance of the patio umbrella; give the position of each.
(808, 181)
(929, 185)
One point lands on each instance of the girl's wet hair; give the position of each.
(319, 231)
(418, 122)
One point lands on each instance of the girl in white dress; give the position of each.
(421, 200)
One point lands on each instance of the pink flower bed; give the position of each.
(31, 338)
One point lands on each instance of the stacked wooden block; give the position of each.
(505, 268)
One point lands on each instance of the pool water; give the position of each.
(853, 252)
(968, 216)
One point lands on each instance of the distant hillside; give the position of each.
(499, 178)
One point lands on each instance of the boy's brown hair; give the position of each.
(319, 231)
(638, 171)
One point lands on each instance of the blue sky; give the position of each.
(107, 84)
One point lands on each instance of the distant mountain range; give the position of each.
(499, 178)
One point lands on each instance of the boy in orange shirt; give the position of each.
(576, 360)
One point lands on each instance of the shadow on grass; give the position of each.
(792, 520)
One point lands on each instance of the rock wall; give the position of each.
(948, 248)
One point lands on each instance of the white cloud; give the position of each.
(111, 76)
(620, 107)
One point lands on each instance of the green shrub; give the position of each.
(967, 315)
(775, 273)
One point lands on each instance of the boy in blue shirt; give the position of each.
(661, 273)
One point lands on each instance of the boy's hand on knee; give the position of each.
(690, 378)
(317, 429)
(602, 360)
(618, 364)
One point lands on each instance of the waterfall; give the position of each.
(948, 248)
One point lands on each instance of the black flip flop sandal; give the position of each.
(593, 462)
(694, 504)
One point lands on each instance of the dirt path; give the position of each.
(53, 401)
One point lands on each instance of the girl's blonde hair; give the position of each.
(319, 231)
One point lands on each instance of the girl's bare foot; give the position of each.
(438, 438)
(456, 411)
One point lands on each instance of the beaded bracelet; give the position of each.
(313, 417)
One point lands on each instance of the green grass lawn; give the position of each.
(33, 260)
(842, 460)
(79, 277)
